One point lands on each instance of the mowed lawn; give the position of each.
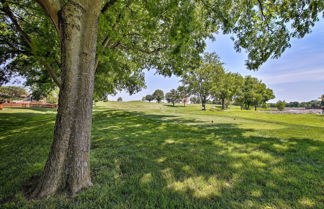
(148, 155)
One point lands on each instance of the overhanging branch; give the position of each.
(26, 37)
(51, 8)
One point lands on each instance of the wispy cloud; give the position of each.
(292, 77)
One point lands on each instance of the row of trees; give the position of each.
(9, 93)
(210, 81)
(180, 94)
(309, 104)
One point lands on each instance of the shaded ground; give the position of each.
(153, 158)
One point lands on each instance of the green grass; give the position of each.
(147, 155)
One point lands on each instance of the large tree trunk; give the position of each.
(68, 165)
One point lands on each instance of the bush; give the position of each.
(265, 106)
(281, 105)
(119, 99)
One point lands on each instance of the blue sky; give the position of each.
(298, 75)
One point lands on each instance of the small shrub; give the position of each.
(281, 105)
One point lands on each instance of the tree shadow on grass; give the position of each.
(163, 161)
(203, 165)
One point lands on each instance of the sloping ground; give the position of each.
(156, 156)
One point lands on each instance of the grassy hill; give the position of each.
(148, 155)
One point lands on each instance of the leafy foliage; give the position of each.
(158, 95)
(281, 105)
(253, 93)
(227, 87)
(149, 98)
(167, 36)
(12, 92)
(199, 81)
(173, 96)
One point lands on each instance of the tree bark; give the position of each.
(68, 165)
(223, 104)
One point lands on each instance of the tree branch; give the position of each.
(108, 5)
(51, 8)
(265, 19)
(14, 20)
(26, 37)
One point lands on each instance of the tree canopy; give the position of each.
(253, 93)
(135, 35)
(158, 95)
(12, 92)
(172, 96)
(199, 81)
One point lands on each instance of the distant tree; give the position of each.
(293, 104)
(158, 95)
(253, 93)
(119, 99)
(199, 81)
(184, 94)
(265, 106)
(195, 100)
(226, 87)
(266, 94)
(281, 105)
(172, 97)
(322, 103)
(9, 93)
(149, 98)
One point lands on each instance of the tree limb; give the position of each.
(26, 37)
(51, 8)
(108, 5)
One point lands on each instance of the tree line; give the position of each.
(209, 81)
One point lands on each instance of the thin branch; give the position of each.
(265, 19)
(51, 8)
(108, 5)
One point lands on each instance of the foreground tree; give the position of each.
(67, 50)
